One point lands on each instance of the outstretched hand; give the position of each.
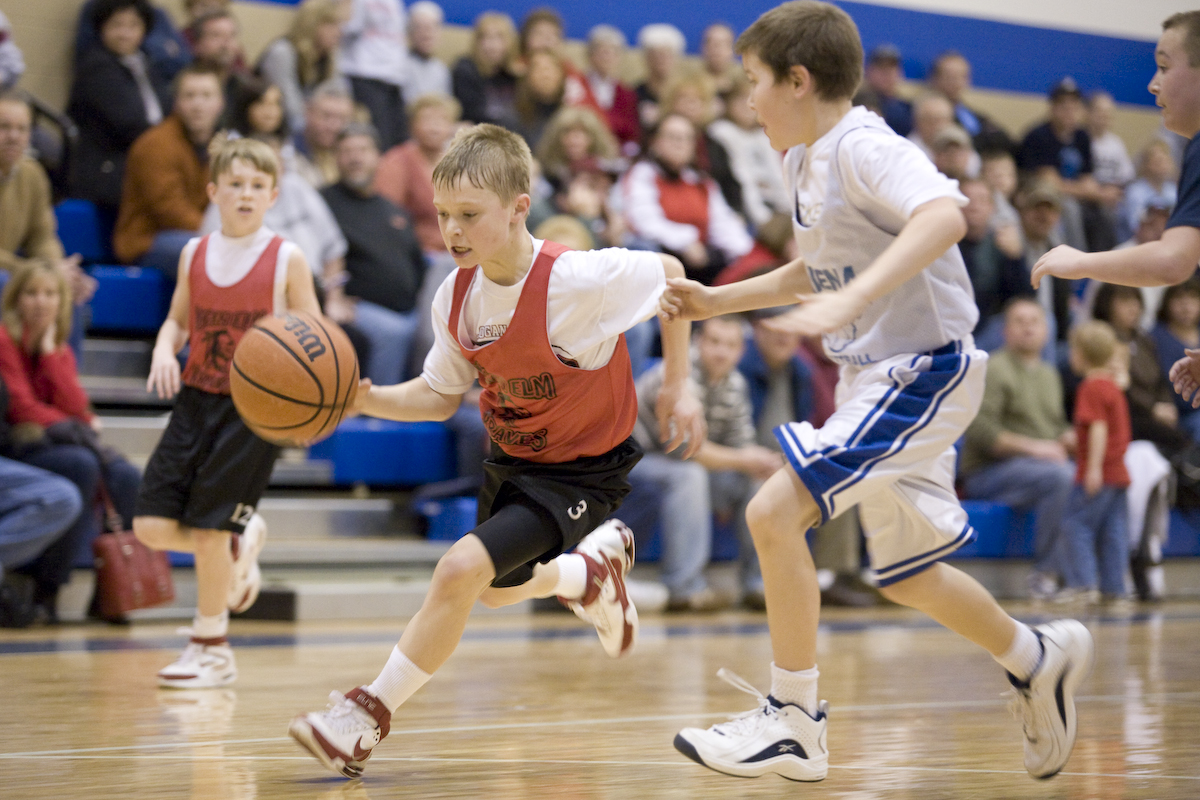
(685, 299)
(1060, 262)
(360, 398)
(818, 313)
(1185, 376)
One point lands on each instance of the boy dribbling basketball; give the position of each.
(542, 328)
(208, 471)
(876, 227)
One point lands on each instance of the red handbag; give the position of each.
(129, 575)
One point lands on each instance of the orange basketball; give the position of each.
(293, 377)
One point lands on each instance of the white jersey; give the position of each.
(593, 297)
(853, 191)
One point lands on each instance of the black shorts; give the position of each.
(208, 470)
(570, 499)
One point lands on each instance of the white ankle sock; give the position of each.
(572, 576)
(1023, 655)
(210, 627)
(398, 681)
(797, 688)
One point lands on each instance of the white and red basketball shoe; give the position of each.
(608, 553)
(203, 664)
(341, 736)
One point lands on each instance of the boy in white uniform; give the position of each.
(876, 226)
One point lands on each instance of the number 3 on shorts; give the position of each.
(242, 514)
(578, 511)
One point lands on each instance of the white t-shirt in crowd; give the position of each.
(375, 42)
(593, 297)
(228, 260)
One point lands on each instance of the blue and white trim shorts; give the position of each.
(889, 449)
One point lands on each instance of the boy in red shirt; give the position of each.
(1096, 542)
(542, 329)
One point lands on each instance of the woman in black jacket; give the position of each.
(115, 96)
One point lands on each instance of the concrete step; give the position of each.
(116, 358)
(106, 391)
(334, 518)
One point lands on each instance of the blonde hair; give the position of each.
(442, 102)
(566, 230)
(550, 151)
(490, 158)
(313, 67)
(1095, 341)
(696, 79)
(1156, 146)
(21, 277)
(504, 23)
(259, 155)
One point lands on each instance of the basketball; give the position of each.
(293, 377)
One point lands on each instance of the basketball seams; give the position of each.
(287, 348)
(337, 376)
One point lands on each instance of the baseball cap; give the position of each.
(1064, 88)
(884, 54)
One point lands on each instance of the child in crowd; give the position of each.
(541, 327)
(207, 473)
(1096, 542)
(876, 227)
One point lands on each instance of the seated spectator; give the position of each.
(165, 47)
(662, 46)
(12, 63)
(774, 246)
(753, 162)
(1040, 207)
(542, 31)
(932, 113)
(258, 110)
(1114, 168)
(305, 57)
(166, 175)
(326, 115)
(998, 169)
(116, 94)
(721, 478)
(374, 57)
(1150, 229)
(692, 95)
(995, 263)
(193, 10)
(617, 102)
(1155, 183)
(719, 59)
(953, 154)
(883, 75)
(216, 42)
(539, 94)
(56, 427)
(426, 73)
(950, 76)
(575, 141)
(670, 204)
(384, 264)
(1152, 410)
(485, 81)
(405, 173)
(1178, 329)
(569, 232)
(1017, 450)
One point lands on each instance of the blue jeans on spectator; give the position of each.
(1095, 549)
(81, 466)
(1027, 483)
(164, 251)
(639, 340)
(36, 508)
(390, 334)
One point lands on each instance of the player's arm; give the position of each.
(687, 299)
(1169, 261)
(164, 377)
(680, 415)
(411, 401)
(299, 294)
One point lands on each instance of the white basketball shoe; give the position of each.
(1046, 702)
(247, 577)
(608, 553)
(341, 736)
(203, 664)
(775, 737)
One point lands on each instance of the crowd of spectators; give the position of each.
(359, 104)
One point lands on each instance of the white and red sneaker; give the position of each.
(247, 577)
(608, 553)
(203, 664)
(341, 736)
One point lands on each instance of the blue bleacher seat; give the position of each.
(85, 229)
(1001, 533)
(385, 453)
(449, 518)
(129, 299)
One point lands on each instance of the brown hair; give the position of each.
(805, 33)
(1190, 286)
(506, 26)
(12, 296)
(550, 151)
(490, 158)
(196, 68)
(536, 16)
(699, 81)
(1095, 341)
(1190, 22)
(258, 154)
(443, 102)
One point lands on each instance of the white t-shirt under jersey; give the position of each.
(227, 261)
(593, 297)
